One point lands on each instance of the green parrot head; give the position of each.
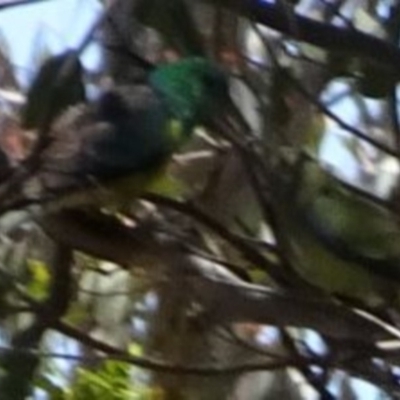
(194, 89)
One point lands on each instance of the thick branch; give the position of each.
(104, 237)
(351, 42)
(224, 296)
(230, 303)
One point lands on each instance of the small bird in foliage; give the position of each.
(340, 240)
(121, 142)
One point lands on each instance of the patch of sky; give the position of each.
(268, 336)
(61, 369)
(39, 394)
(332, 151)
(48, 26)
(140, 327)
(369, 116)
(314, 342)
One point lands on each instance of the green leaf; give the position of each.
(54, 391)
(169, 186)
(111, 381)
(39, 278)
(58, 84)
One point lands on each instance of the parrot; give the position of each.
(115, 147)
(339, 240)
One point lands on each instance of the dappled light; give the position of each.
(199, 199)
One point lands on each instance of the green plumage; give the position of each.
(194, 89)
(339, 240)
(132, 130)
(358, 229)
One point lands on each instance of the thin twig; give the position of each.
(16, 3)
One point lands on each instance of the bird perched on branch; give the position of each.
(340, 240)
(118, 145)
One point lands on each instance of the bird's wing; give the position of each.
(323, 267)
(114, 137)
(358, 231)
(63, 162)
(139, 134)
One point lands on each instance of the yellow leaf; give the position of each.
(40, 278)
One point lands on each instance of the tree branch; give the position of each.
(346, 41)
(20, 368)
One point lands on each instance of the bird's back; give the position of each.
(322, 263)
(132, 129)
(126, 132)
(123, 132)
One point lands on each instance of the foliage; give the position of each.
(255, 267)
(108, 381)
